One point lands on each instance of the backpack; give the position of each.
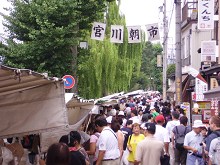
(179, 146)
(126, 138)
(217, 149)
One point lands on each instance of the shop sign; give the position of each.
(206, 14)
(200, 88)
(208, 51)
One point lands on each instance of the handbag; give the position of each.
(165, 160)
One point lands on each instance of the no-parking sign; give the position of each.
(69, 81)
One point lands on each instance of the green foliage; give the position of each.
(109, 67)
(41, 33)
(171, 70)
(150, 76)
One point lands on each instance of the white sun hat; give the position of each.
(198, 123)
(109, 119)
(121, 113)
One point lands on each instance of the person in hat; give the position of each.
(153, 111)
(162, 133)
(121, 115)
(192, 143)
(150, 149)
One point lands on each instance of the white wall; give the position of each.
(196, 37)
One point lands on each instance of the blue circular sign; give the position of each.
(69, 81)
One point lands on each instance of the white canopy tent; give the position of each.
(30, 102)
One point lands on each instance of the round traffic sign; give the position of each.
(69, 81)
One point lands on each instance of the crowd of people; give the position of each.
(142, 131)
(148, 132)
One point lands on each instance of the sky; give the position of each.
(143, 12)
(4, 3)
(137, 12)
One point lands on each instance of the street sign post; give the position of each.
(69, 81)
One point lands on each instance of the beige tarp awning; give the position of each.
(78, 110)
(30, 102)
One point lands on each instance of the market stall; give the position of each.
(30, 102)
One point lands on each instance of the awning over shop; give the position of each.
(30, 102)
(213, 94)
(172, 87)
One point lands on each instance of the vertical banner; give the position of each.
(159, 61)
(208, 51)
(98, 31)
(205, 14)
(134, 34)
(153, 32)
(117, 34)
(200, 88)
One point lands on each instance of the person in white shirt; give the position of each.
(192, 143)
(114, 124)
(170, 125)
(109, 153)
(174, 122)
(162, 133)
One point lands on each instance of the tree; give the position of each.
(115, 64)
(44, 35)
(151, 75)
(41, 32)
(171, 70)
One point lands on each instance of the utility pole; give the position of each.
(178, 73)
(165, 36)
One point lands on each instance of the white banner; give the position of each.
(153, 32)
(205, 14)
(208, 51)
(98, 31)
(134, 34)
(200, 88)
(117, 33)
